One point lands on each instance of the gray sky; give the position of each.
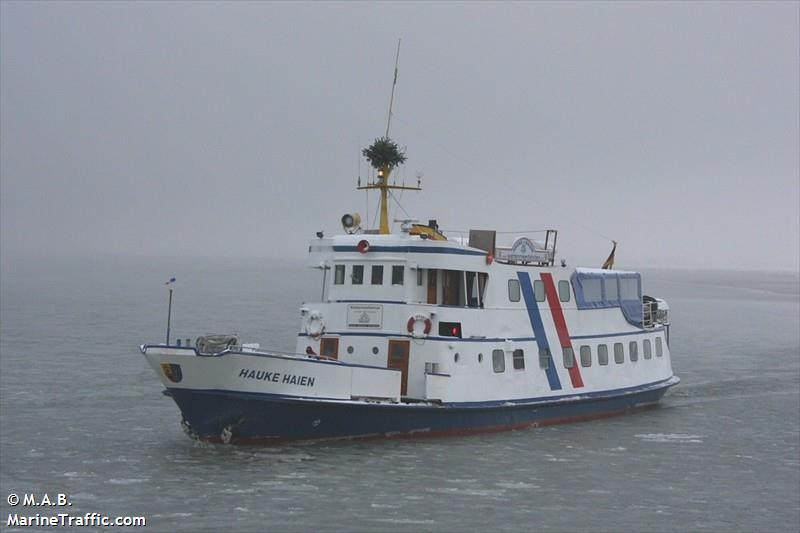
(201, 128)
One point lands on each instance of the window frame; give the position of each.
(561, 284)
(518, 357)
(373, 270)
(602, 354)
(498, 355)
(568, 355)
(514, 282)
(659, 347)
(360, 270)
(538, 290)
(544, 358)
(619, 354)
(647, 349)
(339, 272)
(586, 355)
(633, 351)
(402, 270)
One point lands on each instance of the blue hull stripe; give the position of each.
(538, 327)
(253, 417)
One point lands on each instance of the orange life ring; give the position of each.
(413, 321)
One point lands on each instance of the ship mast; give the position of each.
(384, 155)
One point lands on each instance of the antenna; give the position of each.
(391, 99)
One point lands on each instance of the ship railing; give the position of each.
(653, 316)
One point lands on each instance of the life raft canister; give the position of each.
(415, 332)
(315, 325)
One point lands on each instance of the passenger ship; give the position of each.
(419, 334)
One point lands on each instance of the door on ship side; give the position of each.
(398, 358)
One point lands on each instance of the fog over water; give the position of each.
(191, 129)
(82, 413)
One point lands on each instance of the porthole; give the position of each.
(349, 349)
(375, 350)
(455, 357)
(480, 358)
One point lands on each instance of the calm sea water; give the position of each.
(81, 413)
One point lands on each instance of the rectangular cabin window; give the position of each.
(592, 289)
(338, 275)
(544, 358)
(586, 356)
(420, 276)
(519, 360)
(499, 361)
(659, 348)
(569, 358)
(633, 347)
(513, 290)
(612, 288)
(538, 290)
(648, 351)
(377, 274)
(397, 274)
(619, 353)
(564, 291)
(602, 354)
(450, 329)
(358, 275)
(629, 288)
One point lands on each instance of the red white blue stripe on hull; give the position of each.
(245, 418)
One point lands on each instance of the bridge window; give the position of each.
(564, 290)
(612, 288)
(377, 274)
(586, 356)
(519, 360)
(513, 290)
(338, 275)
(593, 289)
(659, 348)
(397, 274)
(538, 290)
(358, 274)
(499, 361)
(602, 354)
(569, 358)
(634, 350)
(629, 288)
(452, 287)
(619, 353)
(648, 352)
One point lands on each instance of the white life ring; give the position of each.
(315, 325)
(419, 332)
